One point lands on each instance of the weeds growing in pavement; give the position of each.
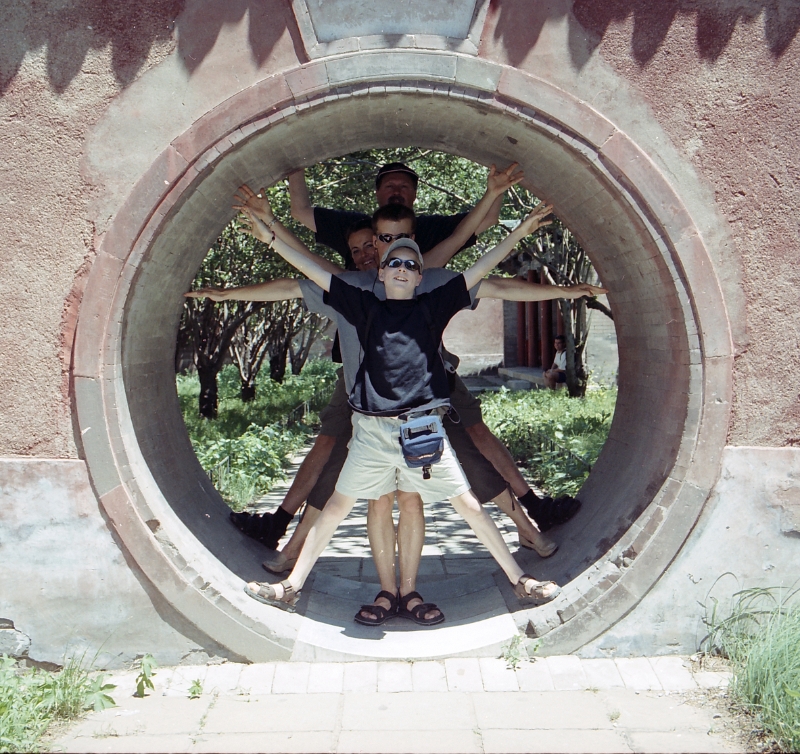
(147, 669)
(761, 637)
(32, 699)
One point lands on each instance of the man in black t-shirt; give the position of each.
(395, 183)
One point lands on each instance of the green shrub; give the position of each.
(554, 437)
(245, 449)
(32, 699)
(761, 637)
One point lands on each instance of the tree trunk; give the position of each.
(208, 391)
(247, 392)
(277, 365)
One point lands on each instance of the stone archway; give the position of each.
(663, 453)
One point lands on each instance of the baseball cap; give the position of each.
(403, 243)
(395, 167)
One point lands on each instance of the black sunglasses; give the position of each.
(396, 262)
(389, 237)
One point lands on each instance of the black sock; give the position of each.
(282, 518)
(530, 500)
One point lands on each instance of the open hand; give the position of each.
(246, 199)
(500, 181)
(255, 226)
(215, 294)
(535, 219)
(584, 289)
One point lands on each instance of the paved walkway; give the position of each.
(553, 704)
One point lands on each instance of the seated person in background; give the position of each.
(558, 372)
(401, 374)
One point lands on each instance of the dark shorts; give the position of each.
(326, 483)
(335, 418)
(561, 376)
(466, 406)
(483, 478)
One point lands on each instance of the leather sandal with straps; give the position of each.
(417, 614)
(379, 614)
(267, 594)
(543, 551)
(537, 593)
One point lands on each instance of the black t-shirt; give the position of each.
(333, 224)
(401, 368)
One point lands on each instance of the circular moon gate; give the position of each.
(662, 456)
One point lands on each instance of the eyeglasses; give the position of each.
(409, 264)
(389, 237)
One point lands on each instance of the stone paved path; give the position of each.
(553, 704)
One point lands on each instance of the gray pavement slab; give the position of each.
(458, 704)
(637, 673)
(567, 673)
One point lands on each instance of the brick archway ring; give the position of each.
(648, 487)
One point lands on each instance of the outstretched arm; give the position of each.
(492, 258)
(303, 260)
(300, 201)
(257, 205)
(272, 290)
(476, 221)
(516, 289)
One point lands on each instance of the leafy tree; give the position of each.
(235, 259)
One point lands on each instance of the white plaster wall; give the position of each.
(60, 563)
(748, 536)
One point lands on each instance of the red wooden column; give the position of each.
(546, 334)
(522, 338)
(532, 330)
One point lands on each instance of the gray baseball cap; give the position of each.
(403, 243)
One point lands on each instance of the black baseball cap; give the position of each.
(395, 167)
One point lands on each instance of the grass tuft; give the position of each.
(761, 637)
(32, 699)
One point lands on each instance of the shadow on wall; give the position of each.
(518, 23)
(68, 31)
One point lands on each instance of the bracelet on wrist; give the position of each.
(272, 222)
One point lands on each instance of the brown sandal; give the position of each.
(539, 594)
(267, 594)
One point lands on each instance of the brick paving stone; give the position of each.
(567, 673)
(273, 713)
(291, 678)
(417, 711)
(678, 742)
(326, 677)
(428, 676)
(548, 741)
(257, 678)
(673, 673)
(463, 674)
(409, 741)
(360, 677)
(534, 676)
(709, 679)
(637, 673)
(394, 677)
(125, 744)
(602, 673)
(541, 710)
(183, 678)
(497, 676)
(222, 679)
(279, 742)
(653, 710)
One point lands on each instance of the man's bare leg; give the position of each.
(498, 455)
(335, 511)
(308, 473)
(526, 528)
(381, 534)
(410, 541)
(546, 512)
